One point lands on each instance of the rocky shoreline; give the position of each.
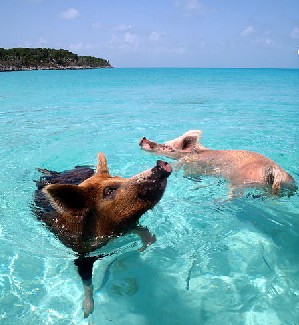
(12, 68)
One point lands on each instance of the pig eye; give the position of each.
(110, 191)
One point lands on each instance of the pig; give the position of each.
(86, 208)
(241, 168)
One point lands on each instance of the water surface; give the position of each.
(214, 262)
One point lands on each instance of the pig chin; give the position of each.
(152, 191)
(150, 146)
(152, 187)
(158, 148)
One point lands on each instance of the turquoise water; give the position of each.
(215, 261)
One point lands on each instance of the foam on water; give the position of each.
(214, 261)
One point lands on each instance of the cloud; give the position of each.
(193, 4)
(70, 13)
(269, 42)
(82, 46)
(188, 4)
(42, 42)
(193, 7)
(98, 25)
(114, 28)
(121, 27)
(124, 41)
(247, 31)
(295, 33)
(131, 39)
(179, 49)
(265, 42)
(155, 36)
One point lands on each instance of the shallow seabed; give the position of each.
(215, 262)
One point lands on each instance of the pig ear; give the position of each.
(193, 133)
(102, 168)
(191, 140)
(67, 199)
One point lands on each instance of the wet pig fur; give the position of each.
(241, 168)
(86, 208)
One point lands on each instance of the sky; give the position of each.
(159, 33)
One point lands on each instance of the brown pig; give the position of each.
(86, 208)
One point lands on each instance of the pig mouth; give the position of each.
(147, 144)
(153, 187)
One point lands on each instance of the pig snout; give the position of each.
(165, 167)
(142, 141)
(146, 144)
(161, 171)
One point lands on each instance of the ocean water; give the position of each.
(215, 262)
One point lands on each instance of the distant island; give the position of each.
(18, 59)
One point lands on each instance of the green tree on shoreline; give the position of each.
(47, 59)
